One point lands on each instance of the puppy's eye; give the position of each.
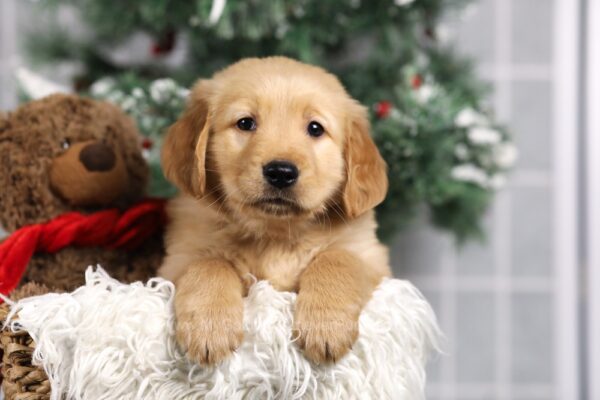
(315, 129)
(246, 124)
(65, 144)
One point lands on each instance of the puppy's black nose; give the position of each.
(280, 174)
(97, 157)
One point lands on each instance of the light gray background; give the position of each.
(495, 300)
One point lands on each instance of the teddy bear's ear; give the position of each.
(3, 128)
(25, 195)
(3, 121)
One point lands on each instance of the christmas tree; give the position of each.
(443, 149)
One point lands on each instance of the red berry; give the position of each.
(156, 49)
(383, 109)
(164, 44)
(147, 144)
(416, 81)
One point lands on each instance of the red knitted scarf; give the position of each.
(112, 229)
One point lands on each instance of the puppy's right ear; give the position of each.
(184, 149)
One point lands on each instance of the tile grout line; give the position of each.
(486, 284)
(503, 36)
(445, 322)
(477, 391)
(449, 267)
(503, 299)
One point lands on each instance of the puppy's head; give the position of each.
(275, 138)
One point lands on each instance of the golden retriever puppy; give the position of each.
(279, 177)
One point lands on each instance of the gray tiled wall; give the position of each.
(495, 300)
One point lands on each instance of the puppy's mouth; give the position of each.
(278, 206)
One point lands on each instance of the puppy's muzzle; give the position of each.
(280, 174)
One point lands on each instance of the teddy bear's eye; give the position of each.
(65, 144)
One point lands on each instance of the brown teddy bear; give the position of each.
(67, 153)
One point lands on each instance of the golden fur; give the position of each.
(319, 242)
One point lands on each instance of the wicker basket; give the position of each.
(20, 379)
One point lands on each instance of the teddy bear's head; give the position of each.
(65, 153)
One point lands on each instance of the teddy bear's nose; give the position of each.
(97, 157)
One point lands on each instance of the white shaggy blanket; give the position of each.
(108, 340)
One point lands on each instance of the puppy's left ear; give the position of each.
(366, 171)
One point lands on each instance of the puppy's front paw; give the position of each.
(210, 334)
(325, 334)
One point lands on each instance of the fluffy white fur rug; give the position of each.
(108, 340)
